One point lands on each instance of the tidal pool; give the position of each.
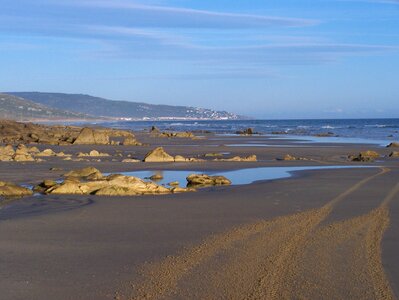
(237, 177)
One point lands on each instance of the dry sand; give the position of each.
(330, 234)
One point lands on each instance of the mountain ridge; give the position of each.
(124, 110)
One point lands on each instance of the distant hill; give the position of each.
(17, 108)
(101, 107)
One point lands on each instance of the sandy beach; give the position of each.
(319, 234)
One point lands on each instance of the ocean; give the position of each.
(379, 130)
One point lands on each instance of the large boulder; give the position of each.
(89, 136)
(158, 155)
(11, 190)
(206, 180)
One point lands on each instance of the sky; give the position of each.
(265, 59)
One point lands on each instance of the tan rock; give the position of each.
(179, 158)
(131, 141)
(131, 160)
(89, 173)
(46, 153)
(364, 156)
(239, 159)
(206, 180)
(158, 155)
(89, 136)
(393, 145)
(12, 190)
(93, 153)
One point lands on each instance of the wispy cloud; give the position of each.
(155, 15)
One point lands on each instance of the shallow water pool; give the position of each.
(237, 177)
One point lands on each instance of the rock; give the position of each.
(131, 160)
(173, 183)
(393, 145)
(89, 173)
(131, 141)
(239, 159)
(92, 153)
(179, 158)
(156, 177)
(113, 185)
(158, 155)
(364, 156)
(177, 190)
(213, 155)
(90, 136)
(289, 157)
(325, 134)
(33, 150)
(155, 130)
(248, 131)
(11, 190)
(6, 153)
(20, 156)
(206, 180)
(46, 153)
(394, 154)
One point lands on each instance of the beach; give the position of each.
(320, 233)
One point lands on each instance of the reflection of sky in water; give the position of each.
(237, 177)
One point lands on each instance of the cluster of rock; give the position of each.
(155, 132)
(8, 189)
(23, 153)
(12, 132)
(90, 181)
(364, 156)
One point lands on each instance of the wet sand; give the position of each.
(330, 234)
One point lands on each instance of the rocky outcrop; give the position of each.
(239, 159)
(393, 145)
(112, 185)
(89, 136)
(11, 190)
(199, 180)
(365, 156)
(12, 132)
(158, 155)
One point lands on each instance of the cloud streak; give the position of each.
(153, 15)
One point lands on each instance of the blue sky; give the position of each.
(265, 59)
